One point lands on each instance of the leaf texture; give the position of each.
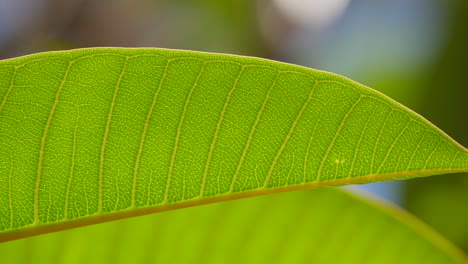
(93, 135)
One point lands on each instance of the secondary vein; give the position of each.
(252, 131)
(43, 143)
(143, 135)
(106, 135)
(179, 129)
(218, 128)
(288, 136)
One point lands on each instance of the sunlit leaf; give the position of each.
(98, 134)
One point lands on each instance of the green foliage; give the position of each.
(312, 226)
(99, 134)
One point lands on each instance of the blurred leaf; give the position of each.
(313, 226)
(442, 202)
(100, 134)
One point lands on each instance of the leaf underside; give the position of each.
(98, 134)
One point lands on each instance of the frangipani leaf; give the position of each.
(92, 135)
(324, 225)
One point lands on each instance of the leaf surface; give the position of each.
(99, 134)
(312, 226)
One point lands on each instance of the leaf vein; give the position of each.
(332, 143)
(377, 141)
(358, 146)
(252, 131)
(416, 150)
(218, 128)
(106, 135)
(179, 129)
(143, 135)
(392, 146)
(12, 83)
(72, 167)
(306, 156)
(43, 143)
(288, 136)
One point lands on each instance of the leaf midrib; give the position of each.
(43, 228)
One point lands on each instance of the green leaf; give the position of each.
(94, 135)
(312, 226)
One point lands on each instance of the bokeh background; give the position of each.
(415, 51)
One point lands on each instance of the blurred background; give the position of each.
(415, 51)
